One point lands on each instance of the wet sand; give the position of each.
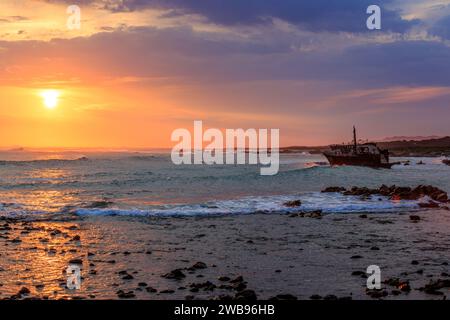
(125, 257)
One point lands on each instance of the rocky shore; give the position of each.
(432, 197)
(261, 256)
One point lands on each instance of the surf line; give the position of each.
(240, 147)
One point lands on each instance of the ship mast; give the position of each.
(354, 138)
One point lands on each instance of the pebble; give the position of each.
(176, 274)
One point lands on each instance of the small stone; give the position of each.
(76, 261)
(199, 265)
(176, 274)
(24, 290)
(224, 279)
(125, 295)
(167, 291)
(127, 277)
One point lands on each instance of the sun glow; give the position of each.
(50, 98)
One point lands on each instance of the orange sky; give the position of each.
(128, 78)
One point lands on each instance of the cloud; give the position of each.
(442, 28)
(317, 15)
(202, 57)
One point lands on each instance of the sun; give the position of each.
(50, 98)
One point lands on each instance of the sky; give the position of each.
(138, 69)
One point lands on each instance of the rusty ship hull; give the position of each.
(373, 161)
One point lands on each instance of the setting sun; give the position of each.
(50, 98)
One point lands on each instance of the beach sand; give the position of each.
(275, 254)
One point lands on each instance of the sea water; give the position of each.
(149, 184)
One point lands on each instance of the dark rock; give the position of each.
(151, 289)
(24, 290)
(127, 277)
(199, 265)
(414, 262)
(315, 297)
(239, 286)
(284, 297)
(169, 291)
(376, 294)
(330, 297)
(224, 279)
(76, 261)
(248, 295)
(206, 286)
(293, 203)
(142, 284)
(433, 286)
(356, 257)
(359, 273)
(125, 295)
(414, 218)
(334, 189)
(307, 214)
(225, 287)
(76, 238)
(176, 274)
(400, 285)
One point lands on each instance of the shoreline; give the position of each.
(126, 257)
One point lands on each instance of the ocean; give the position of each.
(149, 184)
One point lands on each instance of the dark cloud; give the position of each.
(442, 28)
(206, 58)
(13, 19)
(314, 15)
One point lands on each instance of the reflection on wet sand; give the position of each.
(198, 258)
